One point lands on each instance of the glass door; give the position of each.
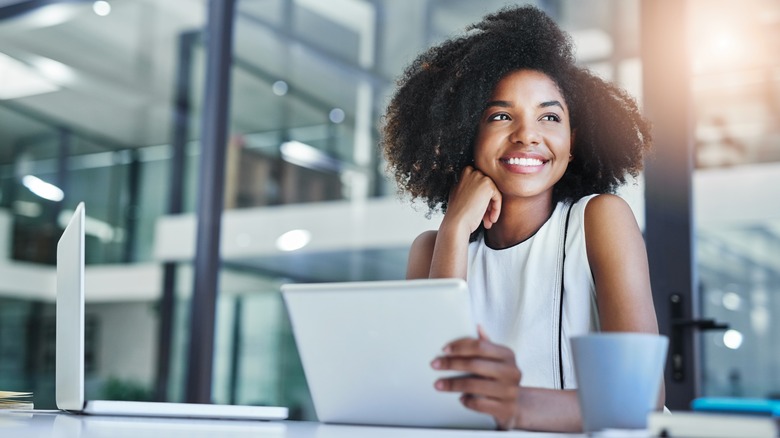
(736, 97)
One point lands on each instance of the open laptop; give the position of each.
(366, 349)
(70, 349)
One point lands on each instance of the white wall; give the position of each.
(737, 195)
(334, 226)
(127, 341)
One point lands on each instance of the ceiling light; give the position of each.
(336, 115)
(732, 339)
(732, 301)
(53, 70)
(293, 240)
(42, 188)
(18, 79)
(101, 8)
(304, 155)
(46, 16)
(280, 88)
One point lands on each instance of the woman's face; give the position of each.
(524, 137)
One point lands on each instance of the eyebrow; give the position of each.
(551, 103)
(507, 104)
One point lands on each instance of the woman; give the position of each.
(520, 149)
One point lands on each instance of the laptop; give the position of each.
(69, 367)
(366, 349)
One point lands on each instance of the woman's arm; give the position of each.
(475, 200)
(492, 386)
(618, 260)
(617, 257)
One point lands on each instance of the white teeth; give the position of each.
(524, 161)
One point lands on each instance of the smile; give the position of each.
(517, 161)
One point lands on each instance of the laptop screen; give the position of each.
(69, 372)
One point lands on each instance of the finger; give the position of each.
(495, 206)
(486, 222)
(481, 333)
(466, 172)
(480, 368)
(478, 387)
(484, 348)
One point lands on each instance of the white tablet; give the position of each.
(366, 349)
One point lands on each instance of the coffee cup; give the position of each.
(618, 377)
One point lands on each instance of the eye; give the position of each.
(551, 118)
(499, 116)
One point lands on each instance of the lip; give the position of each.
(523, 163)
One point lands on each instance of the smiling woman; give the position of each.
(521, 148)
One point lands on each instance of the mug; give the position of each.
(618, 377)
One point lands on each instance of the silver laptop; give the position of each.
(70, 349)
(366, 349)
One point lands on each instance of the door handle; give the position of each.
(700, 324)
(680, 325)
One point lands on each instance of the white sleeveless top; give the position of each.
(515, 296)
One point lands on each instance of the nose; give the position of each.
(523, 132)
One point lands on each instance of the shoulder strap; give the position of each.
(560, 301)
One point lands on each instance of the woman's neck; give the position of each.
(520, 219)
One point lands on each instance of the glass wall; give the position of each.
(736, 78)
(87, 105)
(86, 110)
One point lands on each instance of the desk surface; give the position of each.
(60, 425)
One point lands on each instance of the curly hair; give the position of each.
(432, 120)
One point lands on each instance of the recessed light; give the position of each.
(293, 240)
(101, 8)
(42, 188)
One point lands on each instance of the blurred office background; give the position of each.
(95, 97)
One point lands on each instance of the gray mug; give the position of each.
(619, 377)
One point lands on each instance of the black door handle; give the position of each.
(679, 327)
(701, 324)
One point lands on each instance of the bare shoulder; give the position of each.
(421, 254)
(612, 234)
(425, 239)
(618, 261)
(608, 209)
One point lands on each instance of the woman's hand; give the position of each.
(492, 385)
(474, 200)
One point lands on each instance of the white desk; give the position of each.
(58, 425)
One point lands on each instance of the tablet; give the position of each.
(366, 349)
